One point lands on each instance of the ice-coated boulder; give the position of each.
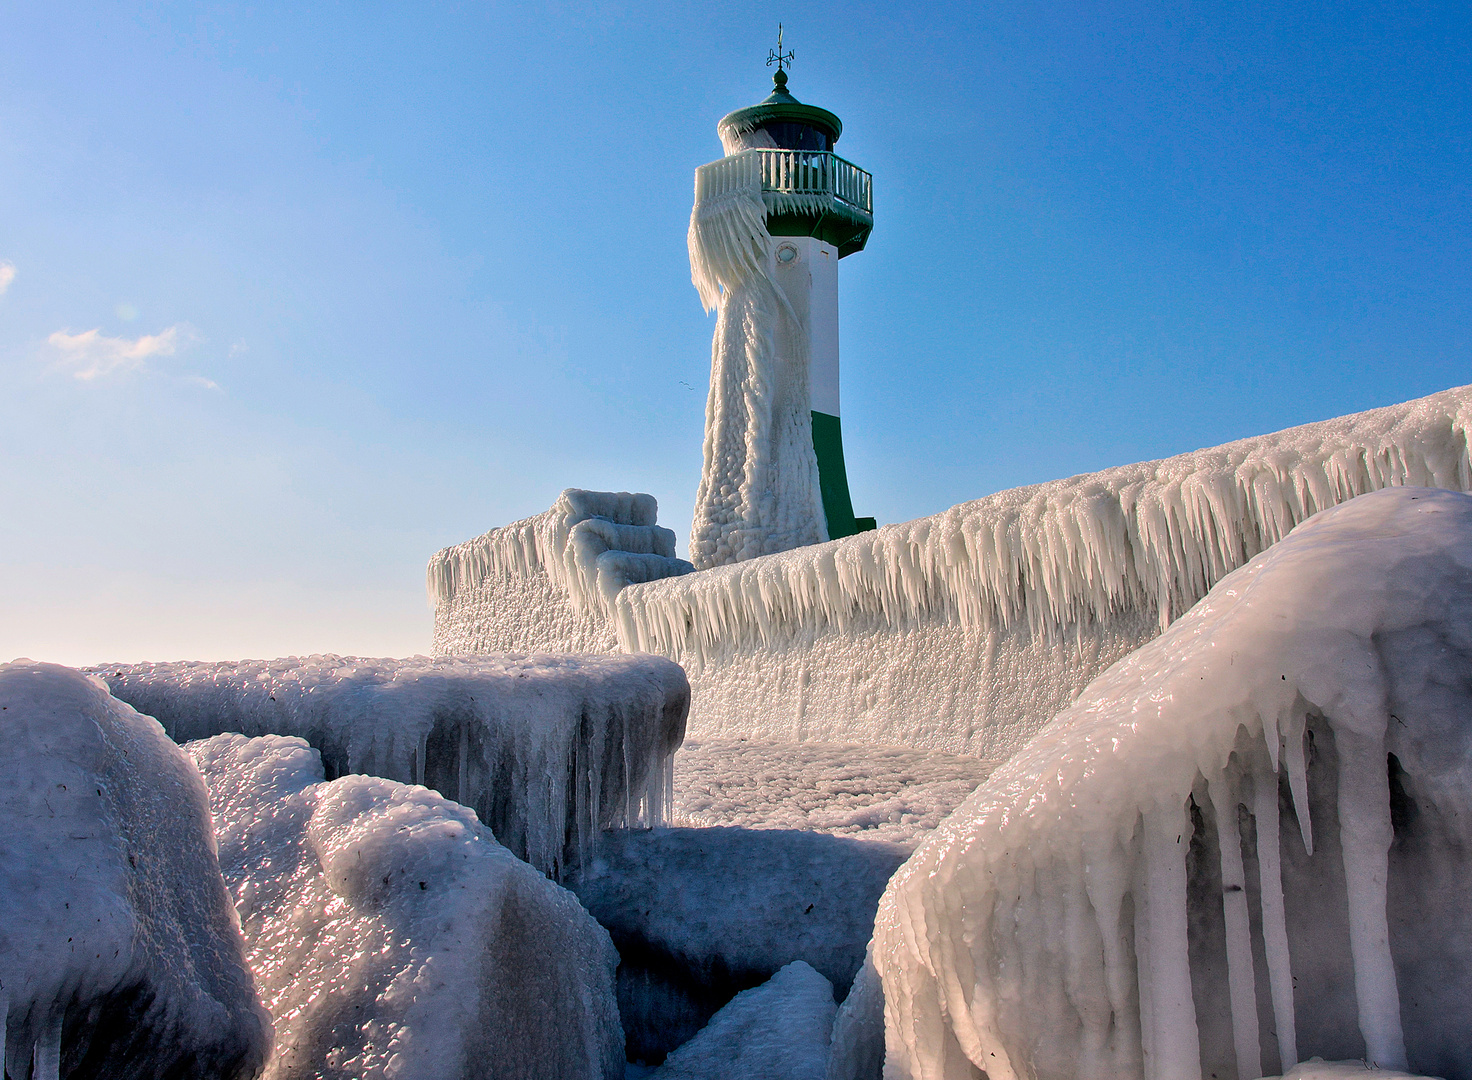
(1244, 844)
(547, 750)
(392, 936)
(120, 954)
(700, 914)
(776, 1031)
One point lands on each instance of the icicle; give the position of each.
(1274, 920)
(419, 748)
(1174, 1040)
(46, 1064)
(4, 1024)
(1084, 975)
(1293, 757)
(1365, 834)
(462, 766)
(1106, 876)
(1241, 979)
(1144, 968)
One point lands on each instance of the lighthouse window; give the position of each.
(786, 254)
(790, 136)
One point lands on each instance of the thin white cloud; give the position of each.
(7, 275)
(89, 355)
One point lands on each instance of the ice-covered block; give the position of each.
(120, 954)
(700, 914)
(392, 936)
(548, 750)
(548, 582)
(778, 1030)
(1244, 844)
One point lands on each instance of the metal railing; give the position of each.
(788, 172)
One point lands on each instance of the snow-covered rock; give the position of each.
(776, 1031)
(546, 583)
(547, 750)
(120, 954)
(846, 789)
(392, 936)
(1245, 844)
(700, 914)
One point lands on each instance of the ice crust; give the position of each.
(867, 792)
(776, 1031)
(547, 750)
(759, 490)
(392, 936)
(700, 914)
(120, 953)
(546, 583)
(1297, 741)
(1318, 1069)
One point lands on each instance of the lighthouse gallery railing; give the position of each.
(789, 172)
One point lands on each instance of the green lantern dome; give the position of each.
(788, 120)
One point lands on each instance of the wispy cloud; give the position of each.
(90, 355)
(7, 275)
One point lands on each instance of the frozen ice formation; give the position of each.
(120, 954)
(868, 792)
(700, 914)
(547, 583)
(393, 937)
(968, 630)
(776, 1031)
(547, 750)
(1242, 845)
(759, 490)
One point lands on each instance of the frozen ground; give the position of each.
(865, 792)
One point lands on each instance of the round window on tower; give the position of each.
(786, 255)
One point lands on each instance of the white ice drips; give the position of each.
(546, 749)
(1155, 535)
(1300, 626)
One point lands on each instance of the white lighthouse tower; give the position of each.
(771, 221)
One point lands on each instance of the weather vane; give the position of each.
(774, 56)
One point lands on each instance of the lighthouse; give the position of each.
(771, 221)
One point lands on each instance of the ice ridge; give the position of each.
(1155, 535)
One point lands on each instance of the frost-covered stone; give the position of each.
(120, 955)
(776, 1031)
(547, 750)
(1245, 844)
(393, 937)
(700, 914)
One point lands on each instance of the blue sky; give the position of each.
(295, 295)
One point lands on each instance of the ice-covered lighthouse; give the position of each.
(771, 221)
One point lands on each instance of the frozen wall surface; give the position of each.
(546, 584)
(759, 491)
(547, 750)
(120, 955)
(700, 914)
(776, 1031)
(968, 630)
(393, 937)
(1243, 845)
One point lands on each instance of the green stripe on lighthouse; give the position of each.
(838, 506)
